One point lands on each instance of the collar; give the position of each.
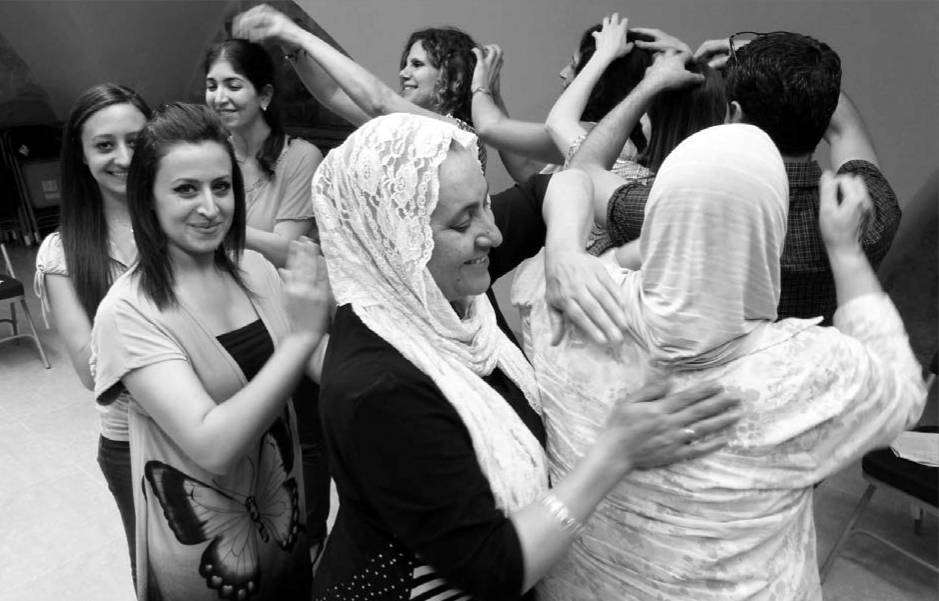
(803, 174)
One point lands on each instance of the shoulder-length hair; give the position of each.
(171, 125)
(82, 224)
(676, 114)
(251, 61)
(450, 50)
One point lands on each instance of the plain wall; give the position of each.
(889, 51)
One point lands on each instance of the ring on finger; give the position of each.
(690, 435)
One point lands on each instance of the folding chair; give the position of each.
(918, 483)
(11, 289)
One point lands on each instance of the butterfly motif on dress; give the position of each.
(198, 512)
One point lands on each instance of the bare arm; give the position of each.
(563, 123)
(599, 151)
(578, 286)
(325, 89)
(72, 324)
(524, 146)
(274, 245)
(216, 434)
(847, 135)
(370, 94)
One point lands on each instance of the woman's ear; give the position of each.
(267, 94)
(735, 113)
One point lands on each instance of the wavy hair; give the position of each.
(82, 226)
(450, 50)
(171, 125)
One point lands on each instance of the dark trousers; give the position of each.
(313, 453)
(114, 461)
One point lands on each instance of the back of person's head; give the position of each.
(788, 85)
(252, 61)
(714, 230)
(83, 227)
(677, 114)
(617, 81)
(450, 50)
(172, 125)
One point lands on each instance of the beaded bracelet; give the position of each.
(562, 514)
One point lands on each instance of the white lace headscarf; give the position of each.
(373, 197)
(711, 241)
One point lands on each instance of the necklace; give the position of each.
(124, 224)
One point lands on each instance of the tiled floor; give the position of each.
(60, 534)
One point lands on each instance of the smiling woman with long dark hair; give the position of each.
(94, 245)
(210, 342)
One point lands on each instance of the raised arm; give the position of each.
(847, 135)
(214, 434)
(563, 123)
(598, 152)
(372, 96)
(523, 146)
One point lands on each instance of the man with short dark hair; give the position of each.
(789, 85)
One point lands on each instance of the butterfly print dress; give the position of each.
(204, 536)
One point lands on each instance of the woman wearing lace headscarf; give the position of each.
(432, 415)
(736, 524)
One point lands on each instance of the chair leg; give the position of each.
(32, 328)
(13, 321)
(833, 555)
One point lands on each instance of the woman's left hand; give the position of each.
(579, 288)
(661, 41)
(264, 22)
(488, 67)
(611, 39)
(306, 286)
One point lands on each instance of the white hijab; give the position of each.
(373, 197)
(711, 241)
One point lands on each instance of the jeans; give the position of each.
(313, 452)
(114, 461)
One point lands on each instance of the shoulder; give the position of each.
(125, 292)
(299, 151)
(363, 371)
(51, 256)
(877, 185)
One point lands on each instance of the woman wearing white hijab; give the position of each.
(736, 524)
(432, 416)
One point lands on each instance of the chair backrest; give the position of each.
(6, 260)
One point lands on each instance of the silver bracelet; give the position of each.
(562, 514)
(481, 90)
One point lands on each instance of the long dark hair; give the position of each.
(82, 226)
(676, 114)
(617, 81)
(450, 50)
(173, 124)
(251, 61)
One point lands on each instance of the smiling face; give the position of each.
(193, 198)
(463, 227)
(233, 97)
(108, 146)
(419, 77)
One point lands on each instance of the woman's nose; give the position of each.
(207, 205)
